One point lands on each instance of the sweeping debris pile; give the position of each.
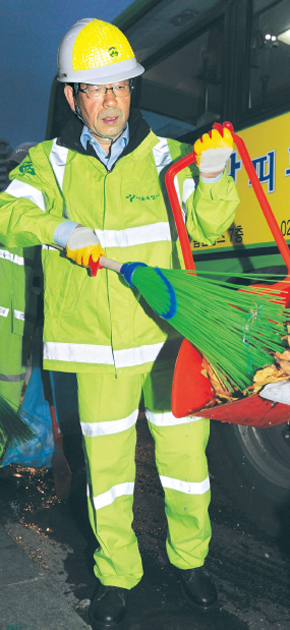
(237, 331)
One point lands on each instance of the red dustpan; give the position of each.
(191, 388)
(253, 411)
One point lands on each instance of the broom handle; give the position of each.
(176, 209)
(104, 262)
(261, 197)
(110, 264)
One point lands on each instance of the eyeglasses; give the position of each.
(98, 92)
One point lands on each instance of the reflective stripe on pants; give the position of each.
(108, 409)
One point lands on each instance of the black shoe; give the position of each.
(197, 589)
(108, 608)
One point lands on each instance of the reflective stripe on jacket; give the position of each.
(18, 300)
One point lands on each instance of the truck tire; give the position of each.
(253, 467)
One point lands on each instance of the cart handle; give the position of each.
(257, 187)
(261, 197)
(175, 205)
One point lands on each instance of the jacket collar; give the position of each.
(70, 137)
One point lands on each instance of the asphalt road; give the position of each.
(251, 570)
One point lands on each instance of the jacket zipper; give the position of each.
(107, 276)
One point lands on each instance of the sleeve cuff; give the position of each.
(211, 180)
(63, 231)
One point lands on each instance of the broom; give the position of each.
(13, 429)
(235, 330)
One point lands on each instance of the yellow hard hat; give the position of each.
(96, 52)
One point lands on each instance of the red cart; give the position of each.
(253, 411)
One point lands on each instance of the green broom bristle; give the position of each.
(157, 293)
(14, 429)
(236, 330)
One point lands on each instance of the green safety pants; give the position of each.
(108, 409)
(13, 359)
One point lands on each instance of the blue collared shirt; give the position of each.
(116, 147)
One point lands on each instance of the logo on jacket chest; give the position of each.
(26, 168)
(133, 197)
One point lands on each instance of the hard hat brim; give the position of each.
(121, 71)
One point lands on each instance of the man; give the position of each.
(19, 269)
(98, 188)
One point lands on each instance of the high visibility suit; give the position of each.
(18, 304)
(103, 331)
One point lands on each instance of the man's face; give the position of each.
(106, 118)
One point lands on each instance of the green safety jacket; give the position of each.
(100, 324)
(18, 292)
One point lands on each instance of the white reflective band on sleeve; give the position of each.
(19, 315)
(85, 353)
(175, 181)
(167, 419)
(3, 311)
(188, 487)
(161, 154)
(21, 189)
(18, 260)
(188, 188)
(135, 236)
(163, 158)
(95, 429)
(50, 247)
(107, 498)
(57, 158)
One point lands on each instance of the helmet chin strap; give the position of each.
(77, 109)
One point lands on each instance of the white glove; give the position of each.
(83, 244)
(213, 150)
